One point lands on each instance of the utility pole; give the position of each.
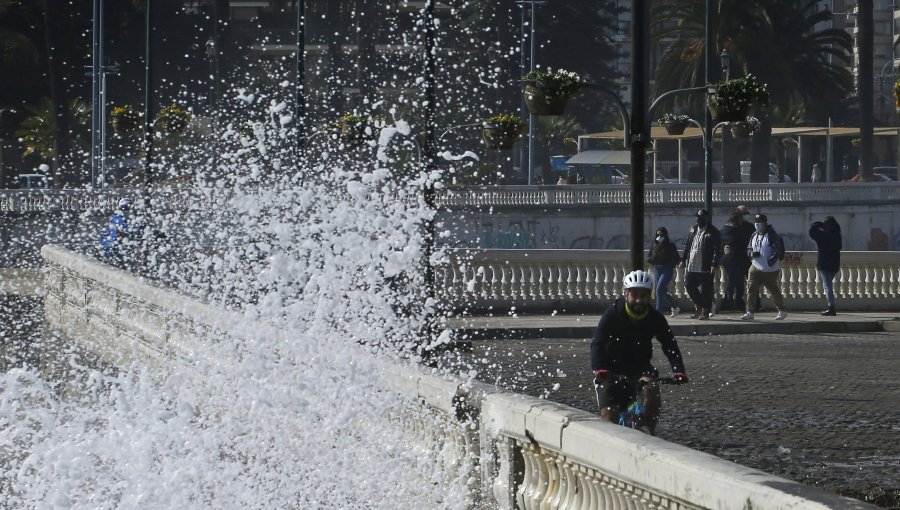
(148, 97)
(640, 16)
(708, 53)
(865, 80)
(300, 99)
(532, 65)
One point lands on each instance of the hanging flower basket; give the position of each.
(674, 124)
(502, 130)
(897, 95)
(740, 131)
(173, 120)
(125, 119)
(548, 92)
(744, 128)
(734, 98)
(353, 127)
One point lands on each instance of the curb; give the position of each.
(731, 327)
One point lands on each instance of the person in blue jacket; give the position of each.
(827, 235)
(116, 232)
(622, 353)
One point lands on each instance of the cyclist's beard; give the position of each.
(637, 308)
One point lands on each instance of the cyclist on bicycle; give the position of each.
(622, 353)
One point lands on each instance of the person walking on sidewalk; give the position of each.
(623, 347)
(766, 253)
(827, 235)
(701, 260)
(735, 238)
(663, 257)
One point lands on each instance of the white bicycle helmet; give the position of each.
(638, 280)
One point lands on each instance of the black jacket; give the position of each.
(829, 245)
(667, 256)
(623, 346)
(737, 237)
(710, 247)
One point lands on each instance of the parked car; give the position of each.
(773, 173)
(33, 181)
(889, 171)
(878, 177)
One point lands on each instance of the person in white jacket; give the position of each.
(766, 252)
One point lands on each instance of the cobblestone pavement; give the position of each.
(821, 409)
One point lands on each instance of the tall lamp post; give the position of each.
(211, 54)
(531, 62)
(148, 96)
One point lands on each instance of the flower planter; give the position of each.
(544, 101)
(675, 127)
(740, 131)
(123, 126)
(726, 114)
(498, 137)
(353, 131)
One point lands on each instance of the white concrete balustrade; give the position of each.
(517, 451)
(866, 281)
(665, 194)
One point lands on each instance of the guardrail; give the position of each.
(667, 194)
(532, 454)
(476, 196)
(482, 278)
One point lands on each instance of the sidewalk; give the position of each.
(727, 323)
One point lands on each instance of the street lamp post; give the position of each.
(533, 45)
(148, 96)
(3, 111)
(211, 54)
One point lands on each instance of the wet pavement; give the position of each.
(822, 409)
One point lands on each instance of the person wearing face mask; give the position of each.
(735, 237)
(766, 250)
(663, 257)
(700, 258)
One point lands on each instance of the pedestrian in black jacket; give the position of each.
(702, 251)
(735, 260)
(663, 257)
(827, 235)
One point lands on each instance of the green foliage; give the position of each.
(559, 83)
(672, 117)
(739, 94)
(125, 118)
(511, 124)
(172, 120)
(37, 132)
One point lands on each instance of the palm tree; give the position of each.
(39, 130)
(776, 40)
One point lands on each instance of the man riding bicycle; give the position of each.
(622, 353)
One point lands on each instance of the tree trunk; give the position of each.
(63, 175)
(866, 77)
(367, 69)
(759, 160)
(335, 20)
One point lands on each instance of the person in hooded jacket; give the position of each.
(702, 251)
(663, 257)
(735, 237)
(622, 353)
(766, 249)
(827, 235)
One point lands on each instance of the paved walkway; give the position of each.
(811, 398)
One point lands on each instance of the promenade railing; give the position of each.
(667, 194)
(520, 451)
(494, 278)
